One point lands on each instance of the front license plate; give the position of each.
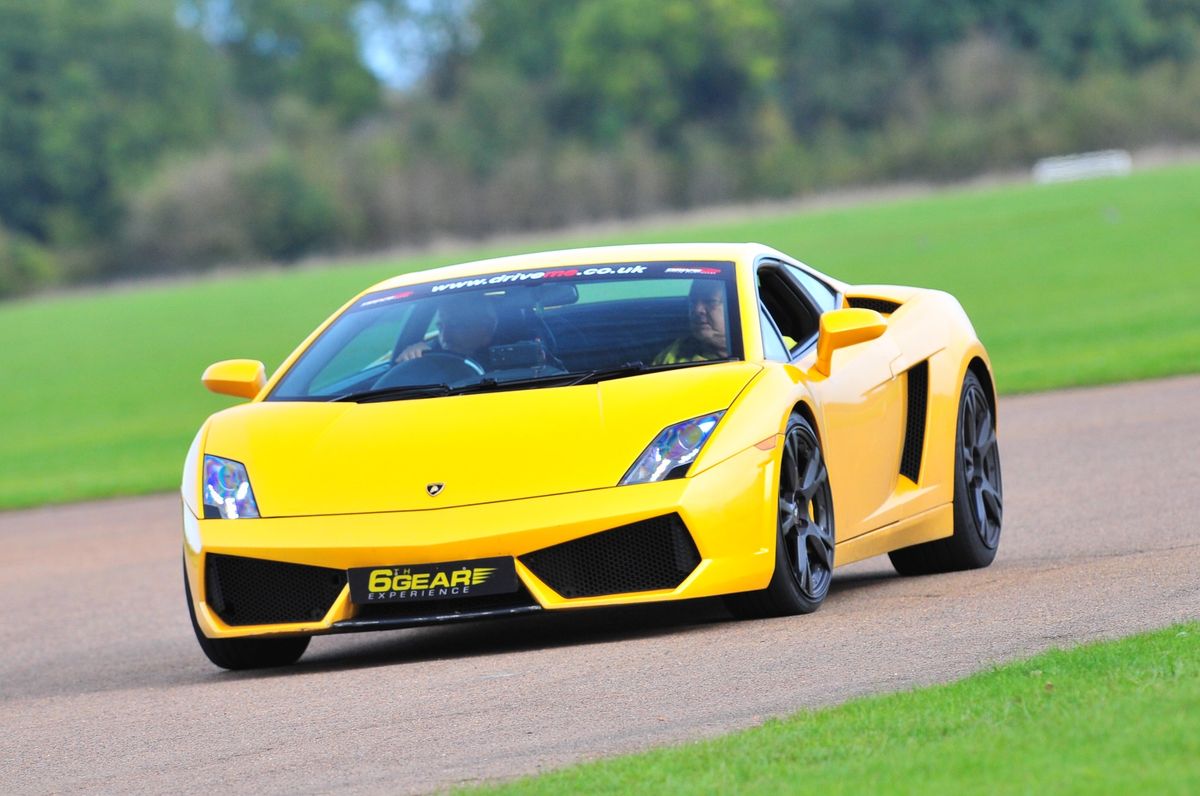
(445, 581)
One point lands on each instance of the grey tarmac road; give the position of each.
(103, 689)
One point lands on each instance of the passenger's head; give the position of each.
(706, 313)
(466, 322)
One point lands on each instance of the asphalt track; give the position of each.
(103, 689)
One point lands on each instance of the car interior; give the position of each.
(587, 335)
(789, 306)
(546, 330)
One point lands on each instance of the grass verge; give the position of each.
(1068, 284)
(1113, 717)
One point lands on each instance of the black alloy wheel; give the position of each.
(978, 494)
(805, 536)
(806, 513)
(981, 465)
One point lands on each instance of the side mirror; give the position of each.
(846, 327)
(241, 378)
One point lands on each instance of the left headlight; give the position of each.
(227, 492)
(672, 451)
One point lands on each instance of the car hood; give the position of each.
(333, 458)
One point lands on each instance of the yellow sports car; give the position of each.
(584, 428)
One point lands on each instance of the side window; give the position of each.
(823, 294)
(773, 345)
(796, 319)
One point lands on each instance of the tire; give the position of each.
(978, 494)
(804, 535)
(245, 653)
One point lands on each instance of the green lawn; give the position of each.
(1119, 717)
(1071, 284)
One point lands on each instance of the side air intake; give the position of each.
(882, 306)
(914, 429)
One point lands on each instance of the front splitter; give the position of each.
(398, 622)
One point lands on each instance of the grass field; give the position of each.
(1070, 284)
(1116, 717)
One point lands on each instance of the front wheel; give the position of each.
(978, 494)
(245, 653)
(804, 535)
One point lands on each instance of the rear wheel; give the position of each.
(978, 494)
(804, 536)
(245, 653)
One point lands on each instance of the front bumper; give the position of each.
(729, 511)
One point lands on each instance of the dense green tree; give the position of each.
(848, 61)
(1074, 35)
(92, 94)
(278, 47)
(664, 65)
(524, 37)
(186, 132)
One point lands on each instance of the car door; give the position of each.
(861, 404)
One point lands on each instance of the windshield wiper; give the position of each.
(395, 393)
(486, 384)
(600, 374)
(635, 368)
(489, 384)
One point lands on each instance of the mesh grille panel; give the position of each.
(914, 430)
(251, 591)
(644, 556)
(882, 306)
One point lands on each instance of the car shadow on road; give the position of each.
(844, 583)
(158, 662)
(536, 632)
(519, 634)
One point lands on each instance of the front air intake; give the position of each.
(252, 591)
(649, 555)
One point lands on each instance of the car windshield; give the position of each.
(521, 329)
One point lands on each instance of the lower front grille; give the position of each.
(252, 591)
(644, 556)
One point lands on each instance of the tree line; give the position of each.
(144, 136)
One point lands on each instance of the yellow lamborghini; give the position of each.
(585, 428)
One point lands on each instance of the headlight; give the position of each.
(227, 492)
(672, 450)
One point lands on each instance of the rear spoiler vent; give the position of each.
(882, 306)
(914, 428)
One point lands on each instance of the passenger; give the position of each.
(466, 325)
(709, 338)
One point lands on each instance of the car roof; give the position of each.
(645, 252)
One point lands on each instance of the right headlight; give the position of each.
(672, 451)
(227, 492)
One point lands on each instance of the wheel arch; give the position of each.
(802, 407)
(984, 374)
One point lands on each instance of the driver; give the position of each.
(706, 321)
(466, 324)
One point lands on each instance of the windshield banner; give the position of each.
(580, 273)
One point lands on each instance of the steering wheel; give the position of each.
(432, 367)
